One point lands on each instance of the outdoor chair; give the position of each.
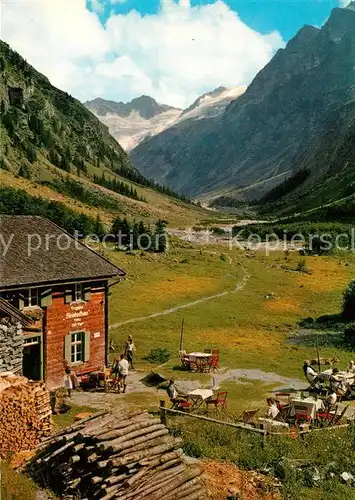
(213, 363)
(207, 351)
(219, 402)
(248, 416)
(284, 414)
(327, 416)
(302, 417)
(281, 404)
(202, 365)
(182, 404)
(331, 416)
(338, 416)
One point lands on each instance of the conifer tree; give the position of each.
(161, 242)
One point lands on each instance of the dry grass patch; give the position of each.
(283, 305)
(177, 288)
(241, 339)
(327, 275)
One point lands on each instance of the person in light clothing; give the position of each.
(123, 370)
(70, 380)
(130, 349)
(273, 410)
(309, 373)
(171, 390)
(351, 367)
(330, 400)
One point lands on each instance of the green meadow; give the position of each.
(251, 331)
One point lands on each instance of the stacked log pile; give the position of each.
(11, 347)
(124, 455)
(25, 413)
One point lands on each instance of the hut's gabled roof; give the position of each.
(35, 251)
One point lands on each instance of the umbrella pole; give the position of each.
(318, 352)
(182, 334)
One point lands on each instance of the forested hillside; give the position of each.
(55, 148)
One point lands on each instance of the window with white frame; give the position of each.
(30, 341)
(31, 297)
(77, 347)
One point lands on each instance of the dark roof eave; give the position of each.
(13, 312)
(19, 286)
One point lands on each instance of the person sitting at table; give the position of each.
(273, 410)
(309, 373)
(330, 401)
(351, 367)
(340, 387)
(173, 393)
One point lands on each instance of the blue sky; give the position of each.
(285, 16)
(172, 50)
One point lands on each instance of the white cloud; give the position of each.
(174, 55)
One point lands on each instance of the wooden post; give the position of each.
(162, 412)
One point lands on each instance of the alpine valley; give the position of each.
(288, 140)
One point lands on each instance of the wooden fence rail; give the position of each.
(164, 411)
(238, 425)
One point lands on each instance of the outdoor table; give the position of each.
(310, 405)
(344, 377)
(347, 377)
(193, 357)
(198, 396)
(325, 375)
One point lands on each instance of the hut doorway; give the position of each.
(32, 358)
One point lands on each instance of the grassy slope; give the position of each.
(250, 331)
(156, 206)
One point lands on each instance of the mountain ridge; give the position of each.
(280, 124)
(131, 128)
(146, 106)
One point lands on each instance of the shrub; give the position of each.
(349, 302)
(349, 334)
(24, 171)
(158, 356)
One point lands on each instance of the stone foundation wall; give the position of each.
(11, 346)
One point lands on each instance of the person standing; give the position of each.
(123, 370)
(69, 381)
(115, 368)
(130, 349)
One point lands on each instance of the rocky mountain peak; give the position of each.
(145, 106)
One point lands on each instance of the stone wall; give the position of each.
(11, 346)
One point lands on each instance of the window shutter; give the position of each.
(87, 293)
(21, 300)
(46, 297)
(87, 347)
(68, 296)
(67, 348)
